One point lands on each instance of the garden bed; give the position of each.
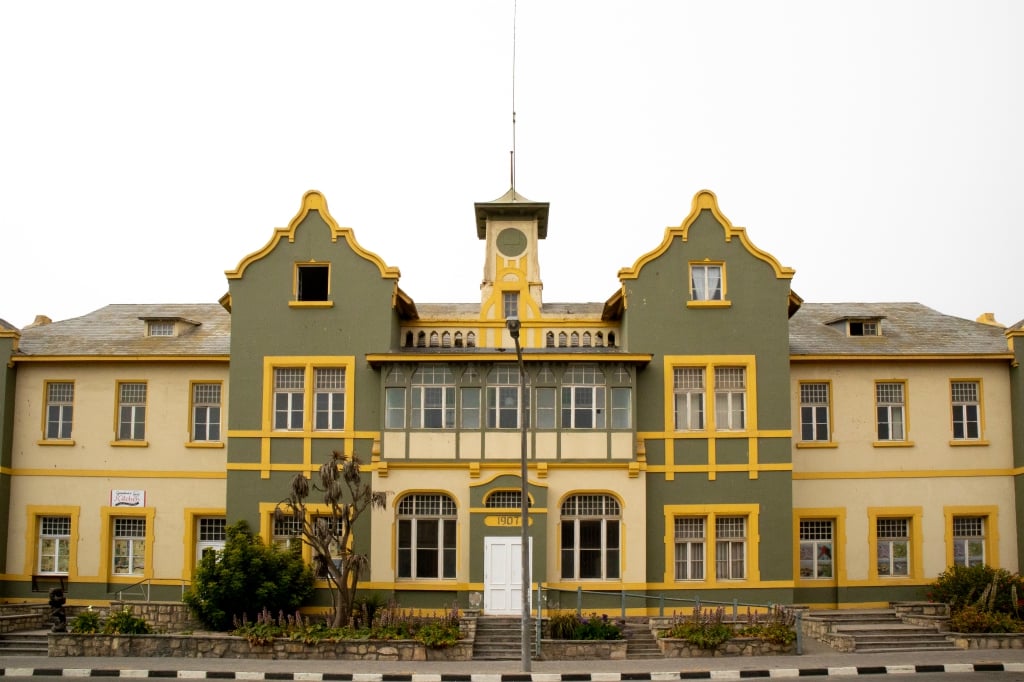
(229, 646)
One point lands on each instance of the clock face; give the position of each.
(511, 242)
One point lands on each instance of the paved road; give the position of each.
(817, 660)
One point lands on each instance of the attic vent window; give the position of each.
(160, 328)
(864, 328)
(311, 284)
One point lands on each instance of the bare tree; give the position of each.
(346, 496)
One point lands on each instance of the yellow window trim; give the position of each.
(916, 540)
(810, 445)
(310, 304)
(837, 515)
(129, 443)
(980, 440)
(107, 515)
(710, 512)
(46, 406)
(707, 303)
(32, 514)
(892, 444)
(188, 540)
(991, 514)
(709, 363)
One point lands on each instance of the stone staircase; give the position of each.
(640, 641)
(499, 638)
(25, 643)
(874, 631)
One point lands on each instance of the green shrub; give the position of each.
(567, 625)
(86, 623)
(973, 619)
(245, 578)
(123, 622)
(773, 633)
(705, 629)
(988, 588)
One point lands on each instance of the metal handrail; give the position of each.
(145, 589)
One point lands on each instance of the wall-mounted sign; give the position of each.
(506, 520)
(127, 498)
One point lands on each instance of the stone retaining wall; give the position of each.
(162, 616)
(972, 640)
(737, 646)
(578, 650)
(228, 646)
(16, 617)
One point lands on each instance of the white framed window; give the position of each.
(334, 527)
(622, 407)
(893, 547)
(287, 532)
(545, 406)
(60, 401)
(312, 281)
(965, 396)
(688, 388)
(705, 282)
(863, 327)
(730, 547)
(211, 535)
(969, 540)
(205, 412)
(426, 537)
(691, 542)
(890, 410)
(506, 499)
(394, 409)
(432, 404)
(503, 397)
(160, 328)
(54, 544)
(583, 397)
(289, 397)
(131, 410)
(329, 398)
(510, 304)
(730, 398)
(590, 537)
(816, 548)
(814, 412)
(129, 546)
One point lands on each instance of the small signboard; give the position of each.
(127, 498)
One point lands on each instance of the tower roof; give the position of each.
(511, 205)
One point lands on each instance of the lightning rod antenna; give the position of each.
(512, 154)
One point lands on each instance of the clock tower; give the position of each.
(511, 227)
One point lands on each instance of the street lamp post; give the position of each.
(513, 326)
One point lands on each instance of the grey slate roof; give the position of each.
(7, 326)
(907, 329)
(117, 330)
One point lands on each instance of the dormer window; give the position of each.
(864, 328)
(311, 282)
(160, 328)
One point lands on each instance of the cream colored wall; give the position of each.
(929, 417)
(81, 476)
(856, 475)
(630, 492)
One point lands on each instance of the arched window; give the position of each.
(611, 339)
(421, 340)
(506, 499)
(599, 339)
(574, 340)
(435, 340)
(590, 537)
(471, 340)
(426, 537)
(458, 339)
(586, 339)
(549, 340)
(446, 340)
(408, 339)
(563, 340)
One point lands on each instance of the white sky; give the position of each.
(147, 147)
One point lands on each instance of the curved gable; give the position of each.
(314, 201)
(705, 200)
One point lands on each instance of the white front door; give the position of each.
(503, 575)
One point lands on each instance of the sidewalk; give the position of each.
(817, 659)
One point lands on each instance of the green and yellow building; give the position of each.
(700, 433)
